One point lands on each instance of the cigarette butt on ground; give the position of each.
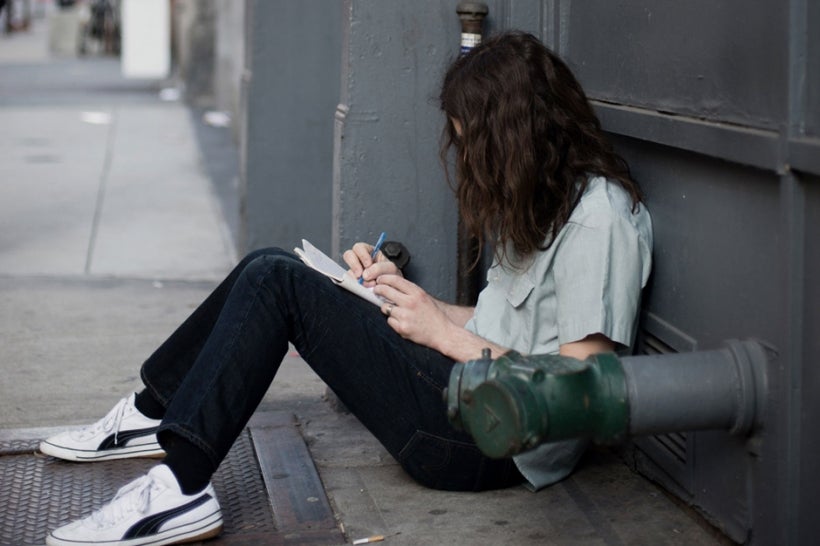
(368, 540)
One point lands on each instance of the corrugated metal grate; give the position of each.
(39, 493)
(671, 452)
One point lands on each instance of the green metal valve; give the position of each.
(515, 403)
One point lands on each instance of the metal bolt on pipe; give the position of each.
(516, 402)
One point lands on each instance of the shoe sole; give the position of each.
(193, 532)
(150, 451)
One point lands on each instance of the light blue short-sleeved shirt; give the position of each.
(588, 281)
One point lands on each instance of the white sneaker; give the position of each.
(150, 510)
(124, 432)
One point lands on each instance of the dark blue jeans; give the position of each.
(213, 371)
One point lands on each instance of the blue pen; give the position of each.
(375, 252)
(378, 246)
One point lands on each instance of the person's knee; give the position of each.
(261, 252)
(268, 264)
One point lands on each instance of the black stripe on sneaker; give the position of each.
(149, 526)
(119, 439)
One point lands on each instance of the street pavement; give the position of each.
(114, 226)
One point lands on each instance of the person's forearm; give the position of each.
(462, 345)
(458, 314)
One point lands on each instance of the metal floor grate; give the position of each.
(39, 493)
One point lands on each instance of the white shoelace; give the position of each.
(135, 496)
(108, 423)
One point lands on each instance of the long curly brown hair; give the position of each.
(528, 143)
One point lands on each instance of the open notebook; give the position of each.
(322, 263)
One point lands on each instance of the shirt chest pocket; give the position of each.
(519, 290)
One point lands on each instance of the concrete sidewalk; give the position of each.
(112, 231)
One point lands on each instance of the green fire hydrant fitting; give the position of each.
(515, 403)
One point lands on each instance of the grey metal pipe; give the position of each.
(720, 389)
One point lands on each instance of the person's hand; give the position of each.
(411, 311)
(362, 265)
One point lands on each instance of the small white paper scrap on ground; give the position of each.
(368, 540)
(96, 118)
(216, 118)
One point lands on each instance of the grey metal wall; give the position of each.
(715, 106)
(291, 90)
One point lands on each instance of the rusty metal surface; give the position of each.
(39, 493)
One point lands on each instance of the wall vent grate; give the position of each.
(670, 453)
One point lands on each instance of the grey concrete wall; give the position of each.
(182, 17)
(229, 62)
(387, 175)
(292, 89)
(193, 41)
